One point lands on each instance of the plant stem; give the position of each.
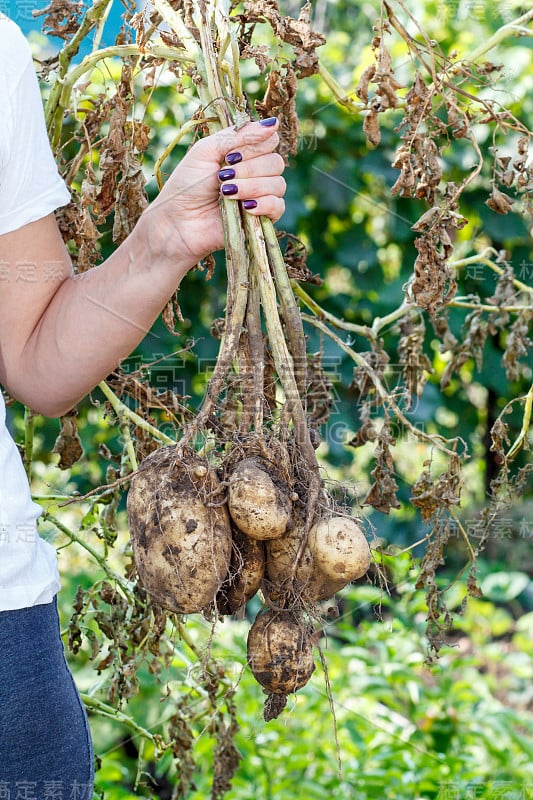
(521, 439)
(257, 351)
(312, 305)
(190, 125)
(483, 258)
(59, 97)
(484, 307)
(101, 560)
(104, 710)
(340, 95)
(514, 28)
(123, 420)
(280, 351)
(294, 331)
(53, 111)
(436, 440)
(123, 411)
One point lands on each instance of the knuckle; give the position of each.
(279, 162)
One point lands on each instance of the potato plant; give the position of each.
(234, 507)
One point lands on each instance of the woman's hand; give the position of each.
(184, 220)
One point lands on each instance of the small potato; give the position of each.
(340, 549)
(308, 583)
(181, 546)
(258, 507)
(245, 576)
(280, 652)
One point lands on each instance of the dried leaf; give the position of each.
(68, 443)
(499, 201)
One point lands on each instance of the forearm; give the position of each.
(92, 322)
(61, 334)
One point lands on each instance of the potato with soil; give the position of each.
(246, 573)
(258, 506)
(339, 548)
(303, 580)
(181, 546)
(280, 652)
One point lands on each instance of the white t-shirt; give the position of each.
(30, 188)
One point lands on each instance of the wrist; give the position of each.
(158, 244)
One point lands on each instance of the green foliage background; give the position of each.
(463, 726)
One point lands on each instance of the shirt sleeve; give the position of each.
(30, 185)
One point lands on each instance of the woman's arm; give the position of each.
(62, 333)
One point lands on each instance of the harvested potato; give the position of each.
(181, 546)
(258, 507)
(280, 652)
(340, 548)
(245, 575)
(308, 583)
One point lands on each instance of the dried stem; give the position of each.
(435, 439)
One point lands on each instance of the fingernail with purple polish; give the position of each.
(249, 204)
(229, 188)
(233, 158)
(268, 122)
(226, 174)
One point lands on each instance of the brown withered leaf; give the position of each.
(172, 314)
(371, 127)
(227, 755)
(280, 101)
(382, 493)
(362, 382)
(296, 32)
(499, 434)
(499, 202)
(77, 226)
(416, 105)
(62, 18)
(442, 329)
(367, 431)
(68, 443)
(295, 257)
(416, 364)
(138, 133)
(471, 345)
(423, 495)
(131, 199)
(431, 495)
(260, 54)
(517, 344)
(434, 283)
(364, 81)
(318, 397)
(457, 121)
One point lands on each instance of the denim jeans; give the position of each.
(45, 742)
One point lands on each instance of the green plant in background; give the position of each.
(419, 389)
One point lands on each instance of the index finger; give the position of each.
(231, 139)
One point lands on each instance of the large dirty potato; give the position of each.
(181, 546)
